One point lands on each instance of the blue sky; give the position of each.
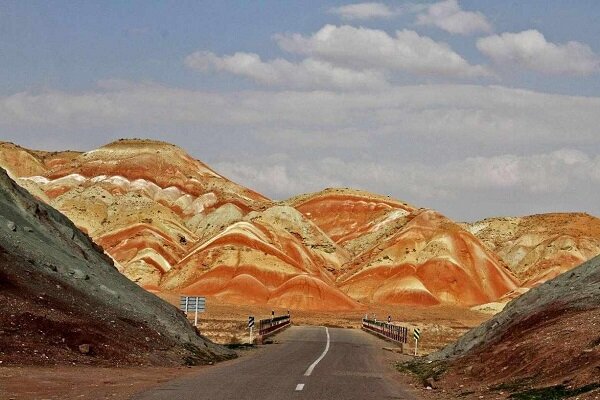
(72, 45)
(476, 108)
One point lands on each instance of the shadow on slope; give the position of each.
(62, 300)
(546, 341)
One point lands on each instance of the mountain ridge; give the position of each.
(57, 280)
(172, 223)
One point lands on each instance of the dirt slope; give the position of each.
(347, 214)
(171, 223)
(58, 291)
(426, 260)
(404, 255)
(276, 257)
(548, 336)
(540, 247)
(136, 198)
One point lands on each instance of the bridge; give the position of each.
(306, 362)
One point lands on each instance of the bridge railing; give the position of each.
(266, 326)
(393, 332)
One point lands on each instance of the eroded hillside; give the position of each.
(540, 247)
(63, 300)
(548, 337)
(173, 224)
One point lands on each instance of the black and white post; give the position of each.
(416, 335)
(251, 326)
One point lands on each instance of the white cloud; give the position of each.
(364, 11)
(466, 114)
(538, 173)
(307, 74)
(361, 139)
(558, 175)
(530, 49)
(358, 48)
(447, 15)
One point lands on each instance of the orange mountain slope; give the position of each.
(276, 256)
(346, 214)
(549, 336)
(173, 224)
(134, 197)
(428, 260)
(540, 247)
(404, 255)
(160, 214)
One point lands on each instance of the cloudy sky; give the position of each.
(474, 108)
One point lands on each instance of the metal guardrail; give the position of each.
(271, 324)
(393, 332)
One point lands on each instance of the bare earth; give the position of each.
(75, 382)
(440, 325)
(222, 323)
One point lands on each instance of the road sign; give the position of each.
(192, 303)
(251, 326)
(416, 335)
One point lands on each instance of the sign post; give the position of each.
(251, 326)
(189, 303)
(416, 335)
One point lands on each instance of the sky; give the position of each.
(474, 108)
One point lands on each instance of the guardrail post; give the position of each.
(398, 334)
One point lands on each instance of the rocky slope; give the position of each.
(171, 223)
(133, 197)
(275, 256)
(548, 336)
(540, 247)
(404, 255)
(63, 300)
(353, 219)
(426, 260)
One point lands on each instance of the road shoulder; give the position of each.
(89, 382)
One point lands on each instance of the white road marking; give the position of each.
(318, 360)
(299, 387)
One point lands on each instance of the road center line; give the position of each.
(299, 387)
(318, 360)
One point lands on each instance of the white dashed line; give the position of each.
(299, 387)
(313, 365)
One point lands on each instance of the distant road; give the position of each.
(308, 363)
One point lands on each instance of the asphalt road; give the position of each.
(307, 362)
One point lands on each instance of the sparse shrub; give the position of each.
(424, 370)
(553, 392)
(234, 339)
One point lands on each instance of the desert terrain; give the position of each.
(174, 225)
(150, 223)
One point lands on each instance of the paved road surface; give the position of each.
(308, 363)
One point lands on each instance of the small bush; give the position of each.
(553, 392)
(424, 370)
